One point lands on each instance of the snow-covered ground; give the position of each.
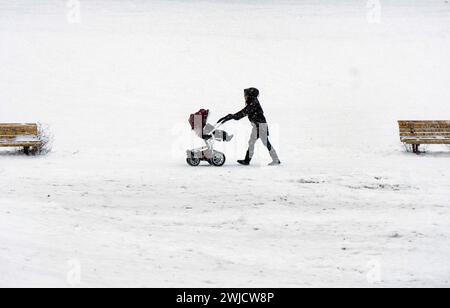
(115, 203)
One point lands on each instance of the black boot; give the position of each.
(246, 161)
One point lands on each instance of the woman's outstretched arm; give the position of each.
(237, 116)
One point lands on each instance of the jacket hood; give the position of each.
(251, 92)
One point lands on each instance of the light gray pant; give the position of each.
(260, 131)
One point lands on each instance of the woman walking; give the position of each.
(260, 130)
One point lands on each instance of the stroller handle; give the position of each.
(216, 127)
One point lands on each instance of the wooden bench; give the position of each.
(20, 135)
(416, 133)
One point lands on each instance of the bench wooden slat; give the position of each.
(8, 137)
(424, 131)
(426, 141)
(435, 127)
(424, 121)
(21, 144)
(423, 125)
(424, 134)
(407, 124)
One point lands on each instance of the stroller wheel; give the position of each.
(218, 159)
(194, 162)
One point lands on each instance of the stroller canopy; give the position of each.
(198, 120)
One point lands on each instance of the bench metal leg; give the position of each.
(26, 150)
(416, 148)
(34, 151)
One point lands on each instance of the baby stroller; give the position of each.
(209, 134)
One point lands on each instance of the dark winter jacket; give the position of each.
(253, 110)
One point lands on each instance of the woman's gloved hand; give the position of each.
(226, 119)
